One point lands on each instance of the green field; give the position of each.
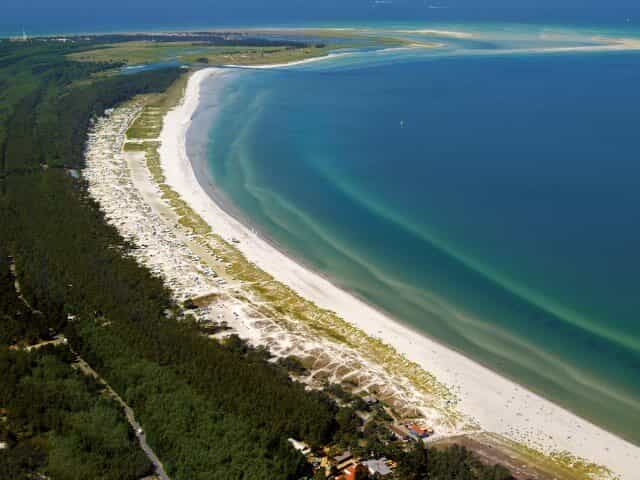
(144, 52)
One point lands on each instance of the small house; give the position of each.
(344, 460)
(418, 432)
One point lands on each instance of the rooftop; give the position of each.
(378, 466)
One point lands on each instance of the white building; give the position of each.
(378, 466)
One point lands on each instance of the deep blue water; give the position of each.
(40, 17)
(491, 201)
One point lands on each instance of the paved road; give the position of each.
(85, 368)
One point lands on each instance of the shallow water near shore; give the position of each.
(488, 200)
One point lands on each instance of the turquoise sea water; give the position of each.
(487, 197)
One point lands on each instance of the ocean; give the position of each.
(487, 196)
(40, 17)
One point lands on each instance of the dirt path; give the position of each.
(16, 286)
(81, 365)
(86, 369)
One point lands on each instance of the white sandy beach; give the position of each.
(290, 64)
(614, 45)
(498, 405)
(332, 56)
(439, 33)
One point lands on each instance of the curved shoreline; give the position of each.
(500, 405)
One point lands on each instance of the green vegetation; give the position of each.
(29, 79)
(207, 407)
(144, 49)
(52, 418)
(18, 323)
(143, 52)
(59, 422)
(210, 409)
(451, 463)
